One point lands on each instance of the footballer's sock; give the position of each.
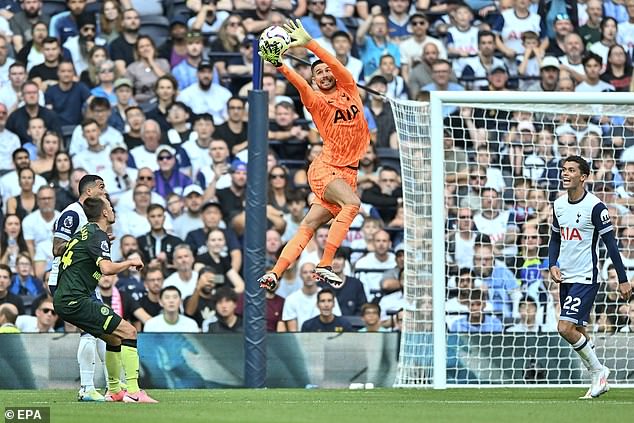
(113, 365)
(101, 353)
(585, 350)
(337, 233)
(86, 354)
(130, 362)
(293, 249)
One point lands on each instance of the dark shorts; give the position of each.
(576, 301)
(89, 315)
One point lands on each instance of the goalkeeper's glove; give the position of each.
(297, 32)
(271, 53)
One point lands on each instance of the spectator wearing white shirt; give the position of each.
(9, 142)
(5, 60)
(342, 45)
(190, 220)
(185, 276)
(145, 176)
(411, 49)
(572, 60)
(37, 227)
(592, 65)
(198, 149)
(369, 267)
(98, 109)
(301, 305)
(119, 177)
(205, 96)
(44, 317)
(96, 158)
(171, 320)
(10, 91)
(145, 155)
(9, 182)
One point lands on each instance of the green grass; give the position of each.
(335, 406)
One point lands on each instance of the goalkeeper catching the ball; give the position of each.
(337, 111)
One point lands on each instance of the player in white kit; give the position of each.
(579, 219)
(69, 222)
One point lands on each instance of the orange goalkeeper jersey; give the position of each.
(338, 116)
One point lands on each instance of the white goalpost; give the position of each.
(482, 310)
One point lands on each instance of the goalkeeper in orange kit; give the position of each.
(337, 111)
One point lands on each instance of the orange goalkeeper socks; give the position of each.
(293, 249)
(337, 233)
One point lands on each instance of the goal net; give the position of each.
(480, 171)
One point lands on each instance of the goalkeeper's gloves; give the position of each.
(297, 32)
(271, 53)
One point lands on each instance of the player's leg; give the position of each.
(577, 300)
(317, 215)
(86, 356)
(113, 366)
(129, 355)
(341, 193)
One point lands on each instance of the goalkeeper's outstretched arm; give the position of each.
(303, 39)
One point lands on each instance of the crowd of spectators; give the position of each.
(152, 96)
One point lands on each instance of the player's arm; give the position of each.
(553, 249)
(603, 224)
(302, 38)
(65, 227)
(99, 249)
(306, 92)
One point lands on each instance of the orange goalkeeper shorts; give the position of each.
(321, 174)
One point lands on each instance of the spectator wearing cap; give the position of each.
(593, 65)
(146, 70)
(105, 82)
(80, 45)
(120, 177)
(197, 148)
(372, 38)
(498, 78)
(350, 295)
(208, 19)
(381, 111)
(122, 48)
(572, 59)
(174, 49)
(157, 245)
(476, 68)
(205, 96)
(591, 30)
(119, 118)
(186, 71)
(548, 75)
(190, 220)
(95, 159)
(216, 176)
(169, 179)
(67, 97)
(562, 26)
(411, 49)
(98, 109)
(441, 72)
(22, 23)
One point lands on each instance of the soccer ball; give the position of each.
(274, 39)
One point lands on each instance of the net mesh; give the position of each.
(501, 175)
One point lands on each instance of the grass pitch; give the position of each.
(334, 406)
